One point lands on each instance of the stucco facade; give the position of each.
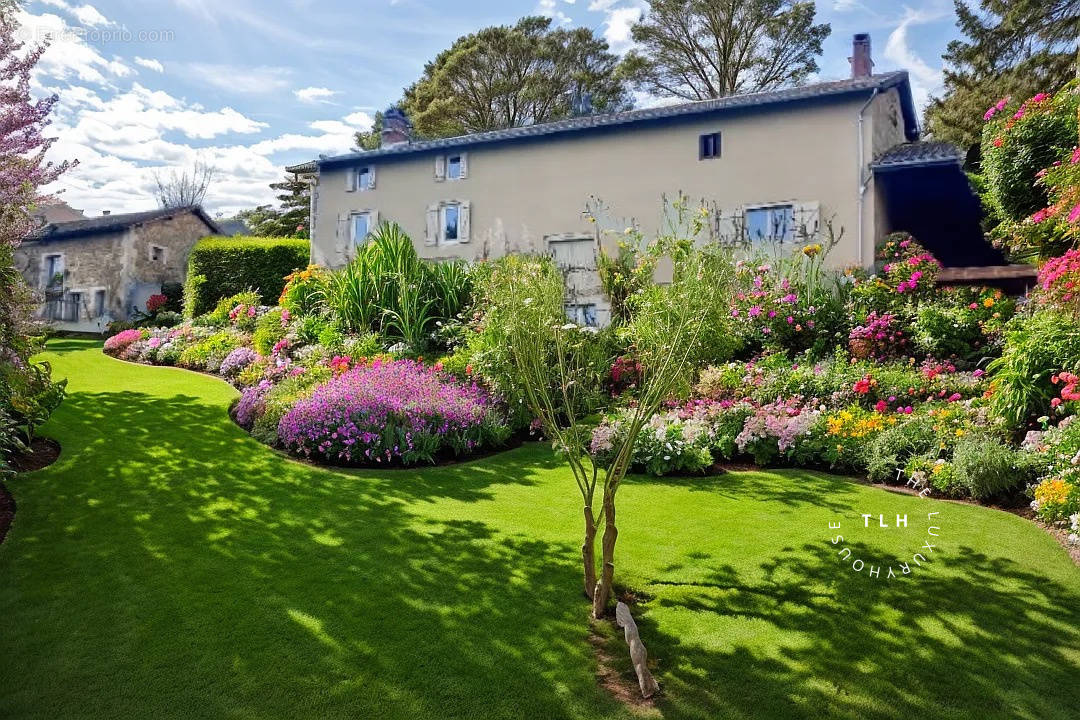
(101, 269)
(529, 194)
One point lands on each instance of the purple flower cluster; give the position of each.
(251, 404)
(388, 412)
(237, 360)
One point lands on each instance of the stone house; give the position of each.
(95, 270)
(777, 168)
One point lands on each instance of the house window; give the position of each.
(54, 266)
(74, 307)
(770, 225)
(157, 254)
(361, 179)
(582, 314)
(453, 167)
(709, 146)
(447, 222)
(451, 215)
(361, 228)
(99, 303)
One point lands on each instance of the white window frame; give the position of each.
(443, 239)
(435, 234)
(790, 238)
(164, 259)
(442, 167)
(352, 179)
(372, 219)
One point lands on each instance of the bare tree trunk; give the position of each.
(588, 552)
(607, 559)
(638, 655)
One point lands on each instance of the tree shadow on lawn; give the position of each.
(800, 487)
(176, 567)
(967, 636)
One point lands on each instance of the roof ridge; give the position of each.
(746, 100)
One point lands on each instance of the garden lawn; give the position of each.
(170, 566)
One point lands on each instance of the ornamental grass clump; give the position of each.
(391, 412)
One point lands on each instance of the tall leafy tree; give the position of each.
(1009, 47)
(702, 49)
(510, 76)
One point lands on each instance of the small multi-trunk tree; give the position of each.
(558, 364)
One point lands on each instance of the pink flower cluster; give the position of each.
(120, 341)
(878, 337)
(1059, 278)
(996, 108)
(387, 412)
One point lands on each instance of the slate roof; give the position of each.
(919, 154)
(749, 101)
(303, 168)
(114, 223)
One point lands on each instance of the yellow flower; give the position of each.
(988, 302)
(959, 432)
(1052, 492)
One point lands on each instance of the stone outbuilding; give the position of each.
(95, 270)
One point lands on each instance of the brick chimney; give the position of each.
(862, 65)
(397, 130)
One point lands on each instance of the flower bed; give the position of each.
(323, 395)
(387, 412)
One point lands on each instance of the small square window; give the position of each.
(582, 314)
(363, 178)
(709, 146)
(451, 215)
(157, 253)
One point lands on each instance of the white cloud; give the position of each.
(601, 5)
(359, 119)
(315, 94)
(237, 78)
(925, 79)
(150, 64)
(846, 5)
(68, 55)
(548, 8)
(618, 25)
(89, 15)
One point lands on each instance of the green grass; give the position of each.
(170, 566)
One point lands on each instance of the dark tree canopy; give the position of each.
(1010, 47)
(502, 77)
(701, 49)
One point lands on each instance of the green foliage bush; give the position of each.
(219, 316)
(207, 353)
(985, 467)
(280, 399)
(1037, 345)
(219, 267)
(268, 330)
(895, 446)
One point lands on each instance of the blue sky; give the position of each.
(251, 86)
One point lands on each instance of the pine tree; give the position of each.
(1010, 48)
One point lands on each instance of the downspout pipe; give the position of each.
(859, 179)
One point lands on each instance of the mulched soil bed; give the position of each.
(43, 453)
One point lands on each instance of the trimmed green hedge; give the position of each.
(222, 266)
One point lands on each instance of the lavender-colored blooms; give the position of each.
(237, 360)
(388, 412)
(251, 404)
